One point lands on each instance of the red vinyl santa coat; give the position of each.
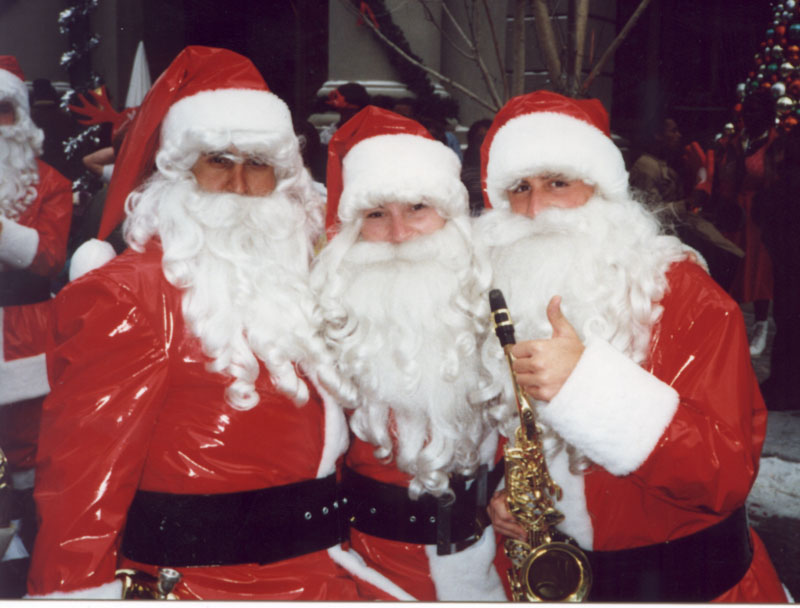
(37, 244)
(676, 449)
(133, 408)
(416, 569)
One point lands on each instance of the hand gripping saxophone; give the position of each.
(542, 570)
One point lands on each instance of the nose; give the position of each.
(237, 181)
(537, 201)
(399, 230)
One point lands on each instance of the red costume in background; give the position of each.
(153, 418)
(743, 178)
(24, 326)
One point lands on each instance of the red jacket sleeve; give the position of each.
(52, 216)
(708, 457)
(107, 368)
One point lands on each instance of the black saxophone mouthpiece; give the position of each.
(503, 326)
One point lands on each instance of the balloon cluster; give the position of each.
(777, 64)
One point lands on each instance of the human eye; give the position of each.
(520, 187)
(371, 214)
(419, 207)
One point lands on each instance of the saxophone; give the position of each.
(542, 570)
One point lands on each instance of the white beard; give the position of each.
(606, 259)
(242, 263)
(20, 144)
(405, 322)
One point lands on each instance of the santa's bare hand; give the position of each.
(502, 520)
(543, 366)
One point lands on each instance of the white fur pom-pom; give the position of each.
(90, 255)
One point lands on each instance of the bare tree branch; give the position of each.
(518, 49)
(581, 21)
(500, 66)
(441, 77)
(547, 41)
(613, 46)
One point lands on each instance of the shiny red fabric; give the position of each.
(133, 407)
(707, 460)
(406, 564)
(25, 327)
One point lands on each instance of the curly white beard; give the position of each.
(20, 144)
(405, 322)
(606, 259)
(242, 262)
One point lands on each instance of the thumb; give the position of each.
(561, 327)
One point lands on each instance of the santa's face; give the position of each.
(531, 195)
(399, 222)
(234, 173)
(7, 114)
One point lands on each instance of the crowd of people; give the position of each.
(275, 389)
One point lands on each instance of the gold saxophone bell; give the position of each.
(556, 572)
(138, 585)
(542, 570)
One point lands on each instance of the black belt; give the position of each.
(386, 511)
(695, 568)
(19, 287)
(258, 526)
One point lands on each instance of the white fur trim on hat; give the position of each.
(227, 110)
(15, 89)
(540, 142)
(401, 168)
(90, 255)
(611, 409)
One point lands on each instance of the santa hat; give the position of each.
(12, 83)
(544, 131)
(203, 89)
(379, 156)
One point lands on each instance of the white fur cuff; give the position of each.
(18, 244)
(611, 409)
(108, 591)
(23, 379)
(469, 575)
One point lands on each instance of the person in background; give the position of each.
(402, 293)
(777, 213)
(347, 99)
(35, 216)
(677, 179)
(745, 164)
(635, 360)
(185, 428)
(58, 127)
